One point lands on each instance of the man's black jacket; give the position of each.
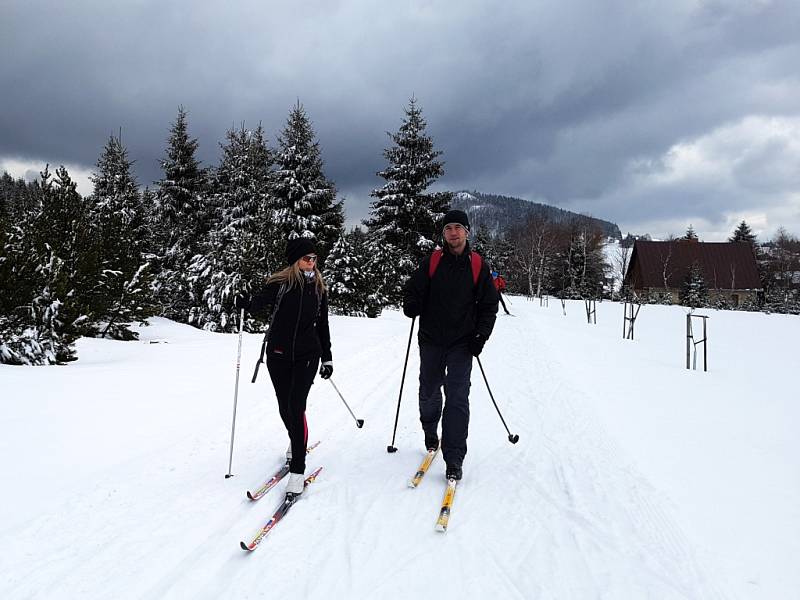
(300, 328)
(451, 308)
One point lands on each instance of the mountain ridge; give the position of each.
(499, 213)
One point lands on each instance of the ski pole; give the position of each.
(359, 422)
(390, 448)
(513, 438)
(236, 392)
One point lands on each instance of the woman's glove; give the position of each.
(241, 301)
(326, 370)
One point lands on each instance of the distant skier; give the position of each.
(295, 303)
(500, 286)
(452, 293)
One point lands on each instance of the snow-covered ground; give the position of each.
(633, 477)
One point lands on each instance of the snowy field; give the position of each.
(633, 477)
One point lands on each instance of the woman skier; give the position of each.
(295, 303)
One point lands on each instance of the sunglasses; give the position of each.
(310, 258)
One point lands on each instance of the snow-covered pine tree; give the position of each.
(52, 257)
(181, 219)
(123, 290)
(580, 269)
(403, 216)
(388, 268)
(495, 250)
(305, 200)
(238, 253)
(690, 234)
(351, 288)
(694, 292)
(5, 205)
(36, 333)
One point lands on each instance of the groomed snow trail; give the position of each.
(563, 514)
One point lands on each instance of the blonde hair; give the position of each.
(292, 276)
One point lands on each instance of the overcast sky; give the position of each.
(650, 114)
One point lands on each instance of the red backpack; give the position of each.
(475, 264)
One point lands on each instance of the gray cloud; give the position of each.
(583, 105)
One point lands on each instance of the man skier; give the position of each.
(456, 302)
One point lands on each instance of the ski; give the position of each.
(447, 503)
(279, 513)
(270, 483)
(423, 468)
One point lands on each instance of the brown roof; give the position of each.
(726, 265)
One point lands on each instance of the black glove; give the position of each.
(241, 301)
(411, 309)
(475, 344)
(326, 370)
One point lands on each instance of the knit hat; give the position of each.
(456, 216)
(297, 248)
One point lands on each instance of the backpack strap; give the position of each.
(435, 258)
(475, 264)
(281, 292)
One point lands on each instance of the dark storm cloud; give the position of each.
(577, 104)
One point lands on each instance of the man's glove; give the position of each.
(411, 309)
(475, 344)
(241, 301)
(326, 370)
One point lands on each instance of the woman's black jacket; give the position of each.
(299, 324)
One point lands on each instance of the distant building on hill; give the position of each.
(729, 269)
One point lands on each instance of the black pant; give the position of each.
(500, 295)
(452, 368)
(292, 381)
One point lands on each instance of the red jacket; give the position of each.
(500, 283)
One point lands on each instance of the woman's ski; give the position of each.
(270, 483)
(278, 515)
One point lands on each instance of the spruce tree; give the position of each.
(690, 234)
(405, 221)
(53, 266)
(305, 200)
(123, 290)
(403, 215)
(181, 220)
(694, 292)
(238, 252)
(743, 233)
(496, 251)
(351, 289)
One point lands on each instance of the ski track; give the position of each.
(598, 494)
(569, 515)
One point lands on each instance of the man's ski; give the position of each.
(423, 468)
(277, 515)
(270, 483)
(447, 503)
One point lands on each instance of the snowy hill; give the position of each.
(633, 477)
(496, 214)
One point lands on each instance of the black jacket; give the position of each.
(299, 329)
(451, 308)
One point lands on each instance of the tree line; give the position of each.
(184, 248)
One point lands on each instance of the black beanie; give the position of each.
(456, 216)
(297, 248)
